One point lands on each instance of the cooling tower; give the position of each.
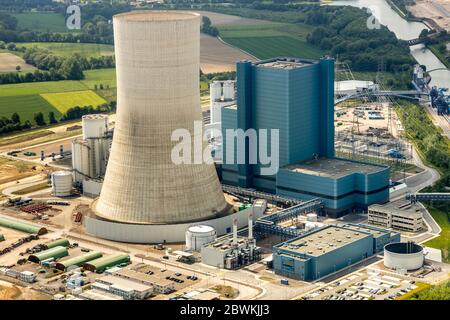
(157, 63)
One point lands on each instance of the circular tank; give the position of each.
(62, 183)
(94, 125)
(215, 91)
(403, 255)
(228, 90)
(312, 217)
(197, 236)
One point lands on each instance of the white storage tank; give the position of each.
(197, 236)
(228, 90)
(403, 256)
(215, 91)
(62, 183)
(312, 225)
(312, 217)
(94, 125)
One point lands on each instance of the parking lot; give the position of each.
(364, 285)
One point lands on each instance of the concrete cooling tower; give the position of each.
(157, 63)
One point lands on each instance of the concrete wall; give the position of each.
(136, 233)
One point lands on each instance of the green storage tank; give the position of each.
(55, 253)
(21, 226)
(78, 261)
(58, 243)
(101, 264)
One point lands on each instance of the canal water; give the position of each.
(404, 30)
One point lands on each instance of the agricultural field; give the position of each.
(26, 106)
(67, 49)
(41, 21)
(269, 40)
(9, 62)
(63, 101)
(26, 99)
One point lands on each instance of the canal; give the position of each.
(404, 30)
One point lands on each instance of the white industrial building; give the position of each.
(159, 285)
(232, 252)
(221, 94)
(398, 215)
(90, 153)
(123, 287)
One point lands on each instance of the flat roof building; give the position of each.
(399, 215)
(123, 287)
(159, 285)
(326, 250)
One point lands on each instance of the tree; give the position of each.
(15, 118)
(39, 119)
(18, 68)
(52, 118)
(71, 69)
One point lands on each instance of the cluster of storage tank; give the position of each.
(222, 90)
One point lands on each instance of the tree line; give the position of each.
(14, 123)
(54, 68)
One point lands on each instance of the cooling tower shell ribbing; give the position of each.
(157, 65)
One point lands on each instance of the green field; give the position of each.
(269, 40)
(11, 90)
(25, 99)
(63, 101)
(26, 106)
(443, 241)
(41, 21)
(68, 49)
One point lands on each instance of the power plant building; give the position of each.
(147, 196)
(326, 250)
(296, 96)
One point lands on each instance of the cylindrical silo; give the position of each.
(94, 125)
(215, 91)
(197, 236)
(62, 183)
(157, 65)
(228, 90)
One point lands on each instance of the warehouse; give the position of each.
(159, 285)
(53, 253)
(328, 249)
(21, 226)
(123, 287)
(101, 264)
(57, 243)
(398, 215)
(78, 261)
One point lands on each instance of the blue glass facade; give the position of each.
(296, 97)
(290, 262)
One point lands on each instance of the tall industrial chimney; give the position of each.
(157, 65)
(235, 231)
(250, 225)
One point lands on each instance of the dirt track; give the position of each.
(438, 10)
